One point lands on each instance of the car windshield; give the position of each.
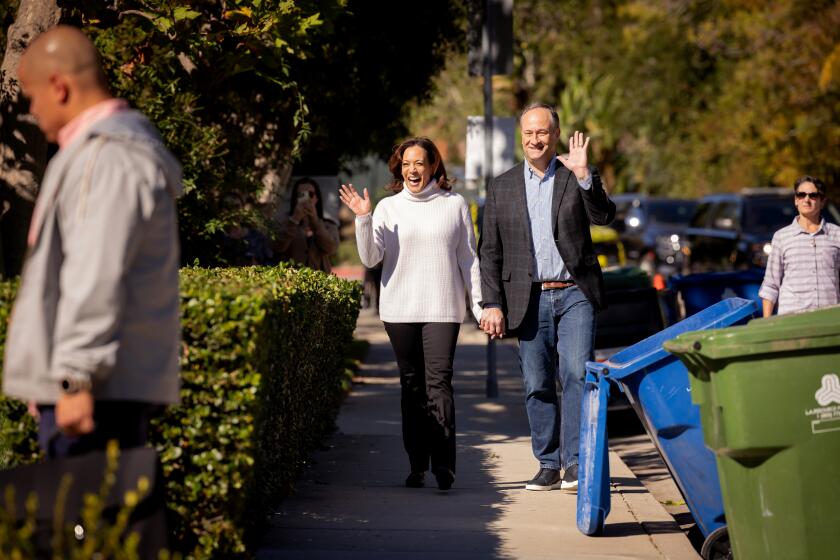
(765, 215)
(677, 212)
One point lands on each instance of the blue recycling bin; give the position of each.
(699, 291)
(657, 385)
(593, 502)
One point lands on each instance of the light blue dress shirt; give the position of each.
(548, 264)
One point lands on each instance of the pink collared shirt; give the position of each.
(69, 132)
(87, 118)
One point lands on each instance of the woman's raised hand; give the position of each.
(360, 206)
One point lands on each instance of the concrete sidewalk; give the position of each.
(352, 503)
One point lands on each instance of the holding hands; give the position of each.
(493, 322)
(577, 159)
(359, 205)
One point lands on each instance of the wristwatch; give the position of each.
(73, 385)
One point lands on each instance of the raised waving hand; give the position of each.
(577, 159)
(358, 204)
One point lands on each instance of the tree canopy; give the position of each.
(680, 96)
(243, 89)
(689, 96)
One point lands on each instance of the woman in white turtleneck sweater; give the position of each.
(424, 237)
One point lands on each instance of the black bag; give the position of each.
(148, 518)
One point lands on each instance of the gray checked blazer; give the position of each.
(506, 249)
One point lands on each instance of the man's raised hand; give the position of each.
(577, 159)
(359, 205)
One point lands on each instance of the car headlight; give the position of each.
(759, 252)
(668, 245)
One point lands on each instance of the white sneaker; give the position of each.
(570, 479)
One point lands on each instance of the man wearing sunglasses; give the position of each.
(803, 271)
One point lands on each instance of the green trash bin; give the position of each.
(769, 398)
(626, 278)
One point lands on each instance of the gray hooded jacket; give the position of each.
(99, 294)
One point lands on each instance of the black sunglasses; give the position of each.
(812, 195)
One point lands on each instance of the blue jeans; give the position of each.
(555, 341)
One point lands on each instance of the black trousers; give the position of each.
(425, 352)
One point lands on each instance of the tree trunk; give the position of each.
(275, 182)
(23, 148)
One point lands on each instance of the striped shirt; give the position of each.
(803, 271)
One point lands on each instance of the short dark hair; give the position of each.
(809, 179)
(555, 120)
(435, 162)
(319, 206)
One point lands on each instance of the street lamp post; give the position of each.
(492, 383)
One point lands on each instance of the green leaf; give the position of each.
(183, 12)
(163, 24)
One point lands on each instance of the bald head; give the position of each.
(60, 73)
(64, 50)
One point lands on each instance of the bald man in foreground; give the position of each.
(94, 337)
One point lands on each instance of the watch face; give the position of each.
(71, 386)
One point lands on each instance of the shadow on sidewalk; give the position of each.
(351, 502)
(645, 528)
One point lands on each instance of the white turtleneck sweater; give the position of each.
(427, 244)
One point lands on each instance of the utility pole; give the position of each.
(492, 383)
(490, 53)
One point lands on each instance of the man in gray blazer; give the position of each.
(541, 281)
(94, 339)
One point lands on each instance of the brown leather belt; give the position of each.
(556, 285)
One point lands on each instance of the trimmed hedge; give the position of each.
(18, 431)
(263, 375)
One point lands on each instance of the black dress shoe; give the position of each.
(444, 477)
(415, 480)
(545, 479)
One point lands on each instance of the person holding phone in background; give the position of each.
(306, 238)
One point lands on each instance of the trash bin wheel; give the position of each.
(717, 546)
(594, 526)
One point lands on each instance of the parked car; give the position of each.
(733, 231)
(608, 247)
(652, 229)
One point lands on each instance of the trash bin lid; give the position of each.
(647, 352)
(811, 330)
